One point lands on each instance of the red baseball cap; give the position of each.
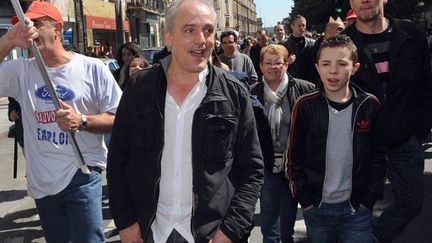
(351, 15)
(41, 9)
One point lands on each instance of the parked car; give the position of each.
(149, 53)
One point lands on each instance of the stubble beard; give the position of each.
(370, 17)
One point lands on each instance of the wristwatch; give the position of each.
(84, 123)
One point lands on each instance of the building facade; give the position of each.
(6, 13)
(259, 23)
(147, 21)
(100, 26)
(90, 25)
(238, 15)
(245, 16)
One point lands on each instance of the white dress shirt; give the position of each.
(174, 208)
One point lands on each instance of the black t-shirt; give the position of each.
(340, 106)
(298, 44)
(378, 47)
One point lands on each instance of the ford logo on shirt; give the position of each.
(63, 93)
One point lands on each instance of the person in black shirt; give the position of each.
(298, 45)
(262, 41)
(14, 114)
(395, 67)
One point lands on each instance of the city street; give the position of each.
(19, 220)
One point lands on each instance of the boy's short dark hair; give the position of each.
(228, 33)
(339, 40)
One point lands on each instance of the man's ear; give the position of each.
(168, 39)
(59, 29)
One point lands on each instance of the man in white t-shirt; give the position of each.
(68, 201)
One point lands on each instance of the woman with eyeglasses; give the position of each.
(277, 91)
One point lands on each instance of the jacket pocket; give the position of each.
(218, 136)
(145, 128)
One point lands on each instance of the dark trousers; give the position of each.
(406, 166)
(278, 209)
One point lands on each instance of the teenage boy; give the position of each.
(335, 169)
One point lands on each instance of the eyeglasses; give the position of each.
(277, 64)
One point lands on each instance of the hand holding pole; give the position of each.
(41, 64)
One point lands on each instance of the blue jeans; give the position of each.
(278, 209)
(339, 222)
(74, 214)
(405, 172)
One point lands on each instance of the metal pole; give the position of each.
(237, 14)
(119, 23)
(42, 68)
(15, 167)
(80, 27)
(248, 21)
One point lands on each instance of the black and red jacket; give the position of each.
(306, 163)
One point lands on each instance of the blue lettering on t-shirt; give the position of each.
(63, 93)
(54, 139)
(62, 138)
(58, 138)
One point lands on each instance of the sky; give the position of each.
(273, 11)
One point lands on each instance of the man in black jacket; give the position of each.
(298, 45)
(262, 41)
(395, 67)
(185, 163)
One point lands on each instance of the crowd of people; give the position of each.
(216, 124)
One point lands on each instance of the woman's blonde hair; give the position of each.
(274, 49)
